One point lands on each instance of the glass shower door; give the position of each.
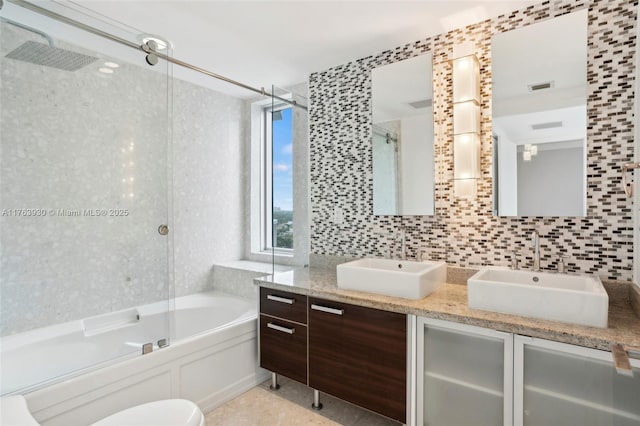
(385, 180)
(84, 163)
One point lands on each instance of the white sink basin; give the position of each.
(400, 278)
(575, 299)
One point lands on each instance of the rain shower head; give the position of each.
(43, 54)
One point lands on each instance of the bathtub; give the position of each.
(81, 371)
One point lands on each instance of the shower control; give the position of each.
(147, 348)
(163, 229)
(162, 343)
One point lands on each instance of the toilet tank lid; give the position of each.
(14, 411)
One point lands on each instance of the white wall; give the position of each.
(208, 183)
(552, 183)
(417, 164)
(507, 175)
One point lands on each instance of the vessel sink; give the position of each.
(400, 278)
(574, 299)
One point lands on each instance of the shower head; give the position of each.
(42, 54)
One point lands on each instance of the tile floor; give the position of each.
(290, 405)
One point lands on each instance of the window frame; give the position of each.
(266, 180)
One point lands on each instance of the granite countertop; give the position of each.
(449, 303)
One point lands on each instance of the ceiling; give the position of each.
(554, 51)
(395, 86)
(519, 129)
(281, 42)
(549, 51)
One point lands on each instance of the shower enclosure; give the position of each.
(87, 274)
(84, 198)
(385, 180)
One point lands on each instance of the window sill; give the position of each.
(285, 255)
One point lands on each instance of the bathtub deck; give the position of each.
(289, 406)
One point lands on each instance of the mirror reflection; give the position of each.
(403, 160)
(540, 118)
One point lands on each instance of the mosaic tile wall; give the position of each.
(465, 232)
(60, 149)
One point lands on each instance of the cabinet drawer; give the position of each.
(283, 348)
(282, 304)
(359, 355)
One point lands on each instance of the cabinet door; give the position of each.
(561, 384)
(464, 375)
(283, 347)
(359, 355)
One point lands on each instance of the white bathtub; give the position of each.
(78, 372)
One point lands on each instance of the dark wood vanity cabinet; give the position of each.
(360, 355)
(283, 333)
(354, 353)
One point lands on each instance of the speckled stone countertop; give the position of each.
(449, 303)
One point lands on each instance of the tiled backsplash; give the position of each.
(465, 233)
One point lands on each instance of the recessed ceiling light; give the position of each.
(426, 103)
(541, 86)
(105, 70)
(111, 64)
(549, 125)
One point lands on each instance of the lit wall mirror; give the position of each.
(540, 118)
(403, 160)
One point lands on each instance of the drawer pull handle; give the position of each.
(280, 328)
(327, 310)
(280, 299)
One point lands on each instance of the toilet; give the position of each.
(169, 412)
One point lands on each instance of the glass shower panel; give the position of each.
(289, 167)
(84, 192)
(385, 180)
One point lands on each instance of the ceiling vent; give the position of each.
(549, 125)
(541, 86)
(426, 103)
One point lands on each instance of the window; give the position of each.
(278, 169)
(277, 179)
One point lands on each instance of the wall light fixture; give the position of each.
(466, 121)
